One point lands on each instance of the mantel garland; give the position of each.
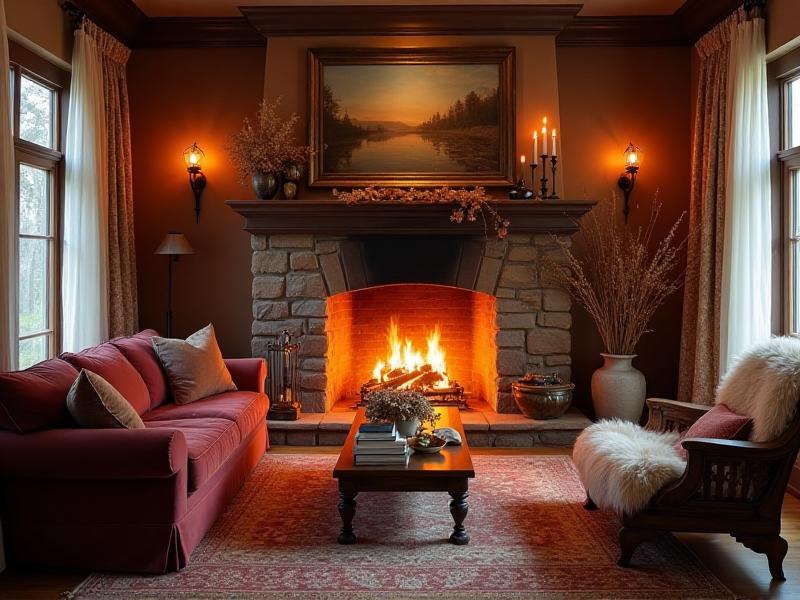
(469, 202)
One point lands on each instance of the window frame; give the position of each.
(51, 160)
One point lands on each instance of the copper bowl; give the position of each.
(542, 401)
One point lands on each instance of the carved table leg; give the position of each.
(347, 510)
(458, 508)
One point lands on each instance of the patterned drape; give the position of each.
(122, 298)
(700, 337)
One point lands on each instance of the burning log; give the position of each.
(396, 381)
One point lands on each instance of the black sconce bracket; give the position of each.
(626, 183)
(197, 181)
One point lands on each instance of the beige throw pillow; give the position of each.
(195, 368)
(96, 404)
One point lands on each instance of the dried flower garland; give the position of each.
(469, 203)
(399, 405)
(268, 145)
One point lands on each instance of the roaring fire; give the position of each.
(402, 356)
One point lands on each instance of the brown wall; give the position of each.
(610, 96)
(783, 22)
(179, 96)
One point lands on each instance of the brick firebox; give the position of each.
(301, 266)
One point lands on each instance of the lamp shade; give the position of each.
(193, 156)
(633, 156)
(174, 243)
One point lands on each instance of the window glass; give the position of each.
(33, 350)
(35, 112)
(793, 113)
(33, 292)
(34, 200)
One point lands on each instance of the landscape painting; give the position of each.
(416, 117)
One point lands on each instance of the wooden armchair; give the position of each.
(728, 487)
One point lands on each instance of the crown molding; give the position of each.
(384, 20)
(621, 31)
(177, 32)
(126, 21)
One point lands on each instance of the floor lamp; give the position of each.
(173, 245)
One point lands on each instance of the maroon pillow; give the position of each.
(721, 423)
(36, 398)
(138, 349)
(107, 361)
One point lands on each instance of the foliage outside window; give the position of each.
(36, 104)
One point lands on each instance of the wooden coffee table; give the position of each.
(449, 471)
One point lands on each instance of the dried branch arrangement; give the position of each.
(622, 276)
(266, 146)
(469, 203)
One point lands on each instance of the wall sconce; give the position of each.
(193, 157)
(626, 181)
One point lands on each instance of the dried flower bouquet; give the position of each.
(268, 145)
(399, 405)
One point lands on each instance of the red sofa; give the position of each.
(116, 499)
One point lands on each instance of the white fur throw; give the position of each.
(765, 384)
(622, 465)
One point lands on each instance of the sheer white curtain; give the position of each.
(85, 250)
(746, 285)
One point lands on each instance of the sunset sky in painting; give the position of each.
(407, 93)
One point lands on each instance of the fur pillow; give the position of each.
(765, 384)
(622, 465)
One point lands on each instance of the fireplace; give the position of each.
(437, 339)
(338, 276)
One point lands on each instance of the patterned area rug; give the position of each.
(531, 539)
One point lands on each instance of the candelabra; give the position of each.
(553, 161)
(543, 180)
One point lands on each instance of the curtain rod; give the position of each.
(75, 13)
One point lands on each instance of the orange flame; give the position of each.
(403, 355)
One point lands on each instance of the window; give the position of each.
(789, 158)
(38, 160)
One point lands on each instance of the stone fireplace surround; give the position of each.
(307, 251)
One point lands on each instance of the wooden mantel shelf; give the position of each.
(333, 217)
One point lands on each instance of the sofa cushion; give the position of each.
(721, 423)
(36, 398)
(246, 409)
(138, 349)
(195, 367)
(209, 443)
(95, 404)
(107, 361)
(622, 465)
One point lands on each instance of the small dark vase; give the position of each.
(265, 185)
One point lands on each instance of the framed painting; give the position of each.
(411, 117)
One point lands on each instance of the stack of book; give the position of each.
(380, 444)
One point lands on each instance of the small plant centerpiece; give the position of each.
(621, 277)
(406, 408)
(264, 152)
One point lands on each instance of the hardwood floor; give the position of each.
(742, 570)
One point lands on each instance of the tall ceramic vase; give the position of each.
(618, 389)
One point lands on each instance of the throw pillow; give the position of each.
(35, 398)
(721, 423)
(195, 367)
(96, 404)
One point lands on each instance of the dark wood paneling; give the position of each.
(333, 217)
(274, 21)
(176, 32)
(621, 31)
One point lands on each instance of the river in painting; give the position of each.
(416, 152)
(411, 119)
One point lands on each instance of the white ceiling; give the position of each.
(228, 8)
